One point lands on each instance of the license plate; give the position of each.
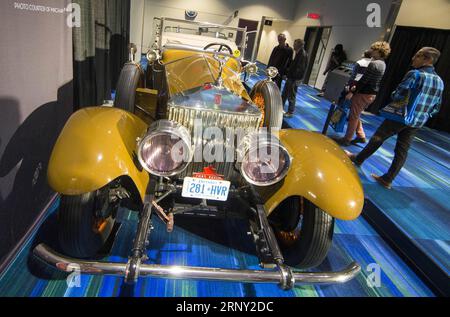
(211, 189)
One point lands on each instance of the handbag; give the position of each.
(340, 116)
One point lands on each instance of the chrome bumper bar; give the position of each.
(278, 275)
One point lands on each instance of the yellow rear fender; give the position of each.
(320, 172)
(96, 146)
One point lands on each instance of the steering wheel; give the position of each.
(221, 47)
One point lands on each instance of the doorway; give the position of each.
(316, 41)
(252, 27)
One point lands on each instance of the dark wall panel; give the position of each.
(35, 101)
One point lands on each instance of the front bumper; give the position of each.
(278, 275)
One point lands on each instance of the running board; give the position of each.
(279, 275)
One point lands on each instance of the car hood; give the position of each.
(210, 97)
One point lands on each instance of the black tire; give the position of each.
(310, 229)
(129, 80)
(266, 95)
(79, 232)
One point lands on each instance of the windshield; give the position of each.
(187, 70)
(197, 34)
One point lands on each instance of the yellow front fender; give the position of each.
(95, 147)
(321, 173)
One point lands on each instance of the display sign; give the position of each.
(314, 16)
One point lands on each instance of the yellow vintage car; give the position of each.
(192, 140)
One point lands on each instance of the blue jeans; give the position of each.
(388, 128)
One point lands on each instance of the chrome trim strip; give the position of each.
(63, 263)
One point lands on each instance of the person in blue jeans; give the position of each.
(294, 76)
(428, 88)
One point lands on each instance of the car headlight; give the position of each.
(262, 159)
(272, 72)
(166, 148)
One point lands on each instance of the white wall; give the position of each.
(348, 19)
(430, 14)
(215, 11)
(269, 38)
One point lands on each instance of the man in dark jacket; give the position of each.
(280, 58)
(294, 75)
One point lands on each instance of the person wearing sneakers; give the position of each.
(364, 93)
(294, 76)
(420, 93)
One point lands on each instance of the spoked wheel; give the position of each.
(82, 229)
(266, 95)
(304, 232)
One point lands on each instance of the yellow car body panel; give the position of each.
(320, 172)
(96, 146)
(186, 70)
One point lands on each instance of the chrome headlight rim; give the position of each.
(272, 72)
(251, 68)
(166, 128)
(268, 142)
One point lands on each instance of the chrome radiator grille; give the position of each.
(213, 118)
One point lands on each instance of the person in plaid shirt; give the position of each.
(422, 89)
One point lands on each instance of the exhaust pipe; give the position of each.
(67, 264)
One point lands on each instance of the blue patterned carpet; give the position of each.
(213, 243)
